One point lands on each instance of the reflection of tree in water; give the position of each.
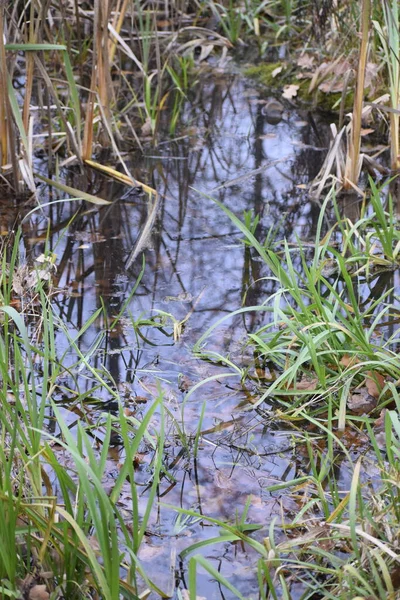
(195, 248)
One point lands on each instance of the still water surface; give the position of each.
(197, 270)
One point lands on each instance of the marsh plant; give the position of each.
(332, 375)
(77, 78)
(60, 532)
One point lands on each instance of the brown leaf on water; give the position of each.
(184, 383)
(141, 399)
(24, 280)
(38, 592)
(149, 552)
(375, 382)
(361, 402)
(222, 480)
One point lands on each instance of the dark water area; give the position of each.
(197, 271)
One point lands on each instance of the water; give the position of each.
(197, 271)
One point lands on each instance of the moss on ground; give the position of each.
(267, 75)
(264, 74)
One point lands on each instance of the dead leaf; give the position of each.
(371, 71)
(366, 131)
(374, 382)
(380, 422)
(146, 128)
(307, 383)
(139, 458)
(361, 402)
(221, 480)
(38, 592)
(306, 61)
(332, 86)
(141, 399)
(304, 75)
(24, 280)
(184, 383)
(276, 71)
(348, 360)
(150, 552)
(290, 91)
(340, 67)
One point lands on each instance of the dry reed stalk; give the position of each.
(392, 24)
(89, 117)
(103, 63)
(394, 141)
(3, 92)
(29, 70)
(8, 148)
(101, 85)
(117, 25)
(353, 161)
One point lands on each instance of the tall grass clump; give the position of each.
(332, 367)
(320, 340)
(390, 42)
(76, 80)
(61, 534)
(343, 541)
(353, 159)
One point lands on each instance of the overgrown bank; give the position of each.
(83, 487)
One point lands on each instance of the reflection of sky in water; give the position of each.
(196, 251)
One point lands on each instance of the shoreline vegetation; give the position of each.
(82, 85)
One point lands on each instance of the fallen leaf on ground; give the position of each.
(361, 401)
(290, 91)
(146, 128)
(276, 71)
(375, 382)
(348, 360)
(307, 383)
(380, 422)
(332, 86)
(39, 592)
(305, 61)
(371, 71)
